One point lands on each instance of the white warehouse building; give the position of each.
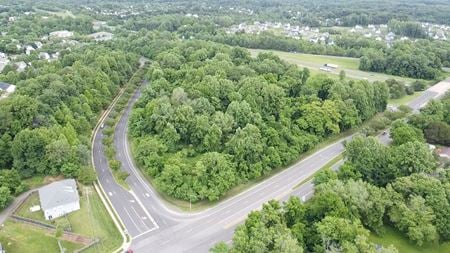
(59, 198)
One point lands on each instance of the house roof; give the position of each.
(4, 86)
(58, 193)
(444, 152)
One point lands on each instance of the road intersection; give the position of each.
(154, 227)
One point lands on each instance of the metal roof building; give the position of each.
(59, 198)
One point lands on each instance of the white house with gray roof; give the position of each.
(59, 198)
(5, 90)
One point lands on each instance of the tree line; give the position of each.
(434, 121)
(422, 59)
(45, 126)
(400, 185)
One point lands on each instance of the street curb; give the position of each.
(119, 224)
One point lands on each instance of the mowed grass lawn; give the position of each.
(91, 220)
(21, 238)
(394, 237)
(348, 64)
(405, 99)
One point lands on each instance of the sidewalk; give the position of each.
(10, 209)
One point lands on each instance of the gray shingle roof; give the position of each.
(58, 193)
(4, 86)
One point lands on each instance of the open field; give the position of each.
(404, 100)
(94, 221)
(349, 65)
(61, 13)
(91, 220)
(392, 236)
(22, 238)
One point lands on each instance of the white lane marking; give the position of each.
(110, 193)
(143, 223)
(131, 165)
(144, 233)
(143, 217)
(147, 195)
(132, 200)
(309, 193)
(145, 209)
(135, 225)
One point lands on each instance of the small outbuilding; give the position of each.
(59, 198)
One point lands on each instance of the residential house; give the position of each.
(44, 56)
(21, 66)
(38, 44)
(29, 49)
(6, 89)
(101, 36)
(61, 34)
(390, 37)
(59, 198)
(3, 61)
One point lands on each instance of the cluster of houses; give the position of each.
(437, 32)
(314, 35)
(293, 31)
(377, 32)
(382, 32)
(64, 37)
(122, 13)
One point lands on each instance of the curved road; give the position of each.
(154, 227)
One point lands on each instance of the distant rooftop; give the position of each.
(444, 152)
(4, 86)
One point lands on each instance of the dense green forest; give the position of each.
(434, 121)
(422, 59)
(45, 127)
(400, 185)
(214, 117)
